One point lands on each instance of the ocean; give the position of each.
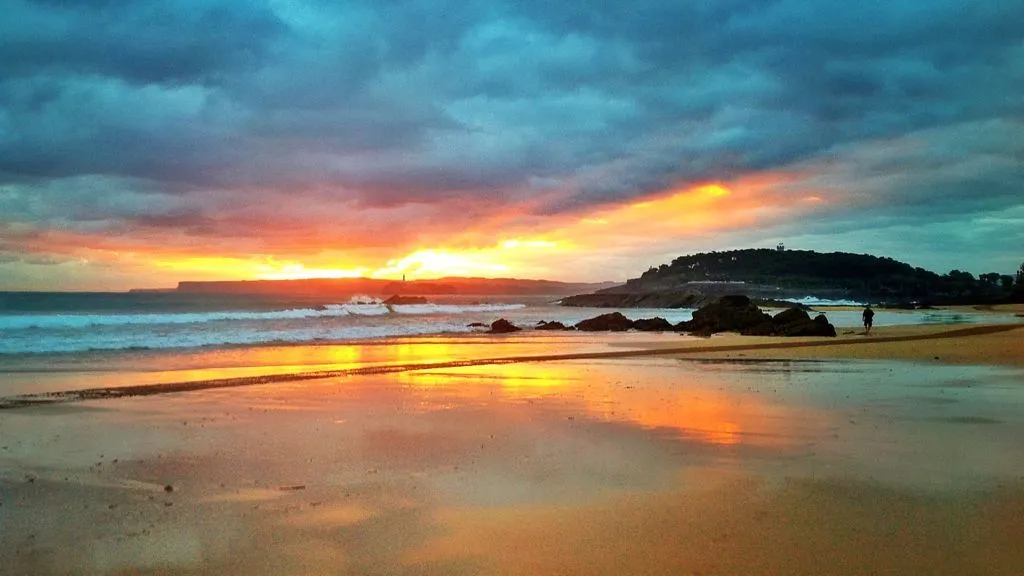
(70, 323)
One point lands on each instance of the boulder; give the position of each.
(817, 327)
(553, 325)
(790, 315)
(762, 329)
(613, 322)
(502, 326)
(728, 314)
(792, 322)
(656, 324)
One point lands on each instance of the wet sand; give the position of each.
(643, 455)
(990, 345)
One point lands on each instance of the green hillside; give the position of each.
(853, 275)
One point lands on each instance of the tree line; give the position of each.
(858, 275)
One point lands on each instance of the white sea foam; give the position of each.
(812, 301)
(53, 321)
(73, 321)
(452, 309)
(134, 338)
(359, 318)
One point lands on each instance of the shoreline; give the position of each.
(574, 453)
(984, 344)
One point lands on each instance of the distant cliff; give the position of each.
(762, 273)
(373, 286)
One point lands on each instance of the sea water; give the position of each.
(49, 323)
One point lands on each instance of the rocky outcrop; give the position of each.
(739, 314)
(502, 326)
(553, 325)
(612, 322)
(656, 324)
(728, 314)
(793, 322)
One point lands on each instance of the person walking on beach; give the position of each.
(869, 316)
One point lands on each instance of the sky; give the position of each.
(144, 142)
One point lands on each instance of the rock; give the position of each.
(792, 322)
(762, 329)
(398, 299)
(791, 315)
(656, 324)
(613, 322)
(502, 326)
(553, 325)
(728, 314)
(825, 328)
(802, 325)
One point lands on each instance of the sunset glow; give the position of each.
(674, 215)
(329, 141)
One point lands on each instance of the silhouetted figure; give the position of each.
(869, 316)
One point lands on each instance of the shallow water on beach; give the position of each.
(56, 324)
(33, 374)
(647, 465)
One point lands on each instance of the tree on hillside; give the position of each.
(991, 279)
(1018, 286)
(1006, 282)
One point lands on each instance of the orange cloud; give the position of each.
(507, 242)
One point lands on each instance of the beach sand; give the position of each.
(992, 345)
(590, 454)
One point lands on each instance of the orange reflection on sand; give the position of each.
(716, 418)
(501, 382)
(421, 352)
(707, 411)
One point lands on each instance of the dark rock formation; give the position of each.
(656, 324)
(728, 314)
(739, 314)
(613, 322)
(502, 326)
(553, 325)
(793, 322)
(399, 299)
(822, 327)
(790, 316)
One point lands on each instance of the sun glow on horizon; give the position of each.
(255, 268)
(295, 271)
(584, 241)
(503, 258)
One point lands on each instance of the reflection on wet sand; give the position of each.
(653, 466)
(734, 524)
(710, 410)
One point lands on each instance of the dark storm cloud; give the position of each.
(140, 42)
(189, 106)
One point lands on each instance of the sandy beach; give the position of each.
(894, 453)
